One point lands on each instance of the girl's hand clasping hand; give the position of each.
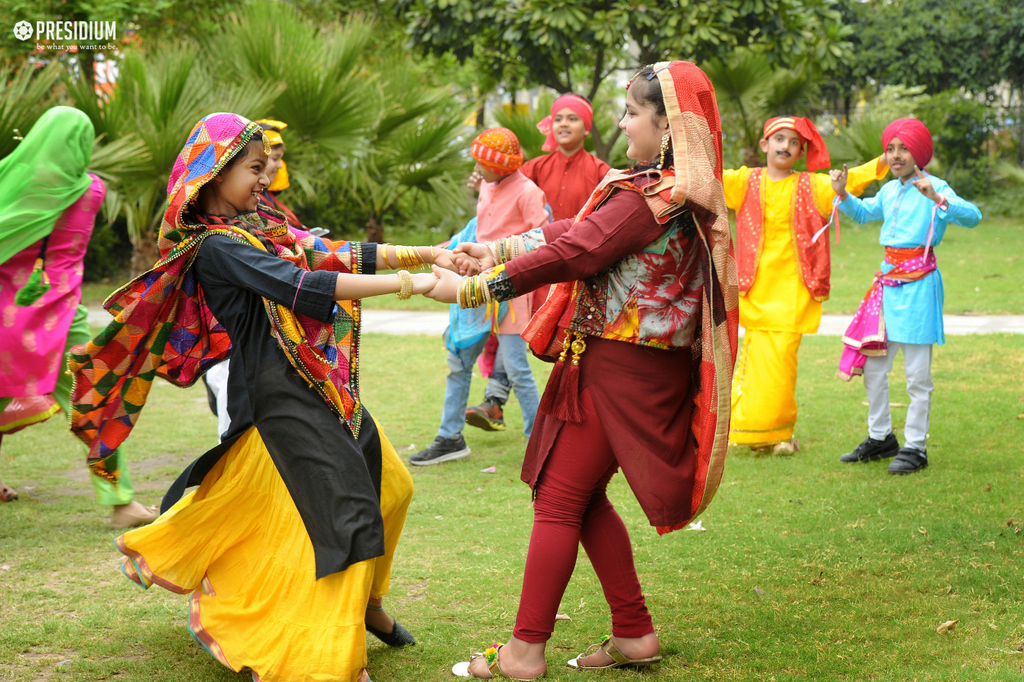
(446, 286)
(446, 259)
(480, 253)
(424, 282)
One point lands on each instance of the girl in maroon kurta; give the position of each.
(646, 302)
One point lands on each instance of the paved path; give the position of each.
(434, 323)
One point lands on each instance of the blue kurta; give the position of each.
(913, 312)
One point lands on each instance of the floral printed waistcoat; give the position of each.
(650, 298)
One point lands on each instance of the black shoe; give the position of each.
(871, 450)
(398, 637)
(908, 461)
(441, 450)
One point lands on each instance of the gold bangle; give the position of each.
(387, 262)
(405, 284)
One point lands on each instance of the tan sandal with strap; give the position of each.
(619, 659)
(490, 657)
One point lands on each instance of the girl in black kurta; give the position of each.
(287, 543)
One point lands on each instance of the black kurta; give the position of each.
(333, 478)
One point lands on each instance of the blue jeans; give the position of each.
(512, 350)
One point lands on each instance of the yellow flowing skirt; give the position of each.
(238, 545)
(764, 388)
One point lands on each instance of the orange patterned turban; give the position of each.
(497, 150)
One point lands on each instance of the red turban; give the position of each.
(578, 104)
(914, 135)
(497, 150)
(817, 152)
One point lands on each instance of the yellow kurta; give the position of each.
(239, 546)
(779, 308)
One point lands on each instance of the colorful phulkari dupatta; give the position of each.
(694, 183)
(866, 334)
(163, 327)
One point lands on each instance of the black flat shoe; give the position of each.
(908, 461)
(398, 637)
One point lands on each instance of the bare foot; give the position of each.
(378, 619)
(518, 659)
(631, 647)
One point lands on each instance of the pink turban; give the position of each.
(578, 104)
(914, 136)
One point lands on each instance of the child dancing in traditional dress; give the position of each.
(642, 319)
(286, 546)
(903, 308)
(48, 207)
(782, 254)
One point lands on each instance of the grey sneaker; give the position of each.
(908, 461)
(871, 450)
(441, 450)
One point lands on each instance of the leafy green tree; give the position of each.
(750, 90)
(413, 153)
(26, 93)
(976, 45)
(159, 96)
(324, 92)
(542, 42)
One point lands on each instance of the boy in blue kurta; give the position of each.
(903, 308)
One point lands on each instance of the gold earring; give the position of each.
(665, 139)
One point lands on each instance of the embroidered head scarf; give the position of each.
(817, 153)
(163, 327)
(41, 178)
(578, 104)
(272, 130)
(497, 150)
(914, 135)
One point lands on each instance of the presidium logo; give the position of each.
(67, 30)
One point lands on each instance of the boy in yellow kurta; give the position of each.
(782, 254)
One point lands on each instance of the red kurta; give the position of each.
(567, 181)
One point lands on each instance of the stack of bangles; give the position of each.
(407, 256)
(504, 250)
(474, 292)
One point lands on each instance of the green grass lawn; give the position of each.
(853, 569)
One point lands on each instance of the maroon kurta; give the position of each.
(567, 181)
(640, 391)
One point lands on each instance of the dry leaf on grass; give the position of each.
(946, 627)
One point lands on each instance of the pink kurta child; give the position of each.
(509, 204)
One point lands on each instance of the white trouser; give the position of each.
(217, 380)
(917, 357)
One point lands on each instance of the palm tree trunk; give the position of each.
(144, 253)
(374, 230)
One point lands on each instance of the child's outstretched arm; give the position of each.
(349, 287)
(394, 257)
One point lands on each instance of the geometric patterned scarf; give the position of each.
(163, 327)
